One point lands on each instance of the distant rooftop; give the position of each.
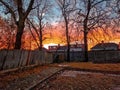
(105, 46)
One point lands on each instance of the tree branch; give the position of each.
(29, 8)
(10, 10)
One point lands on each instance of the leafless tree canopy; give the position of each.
(80, 18)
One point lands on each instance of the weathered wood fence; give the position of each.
(94, 56)
(19, 58)
(105, 56)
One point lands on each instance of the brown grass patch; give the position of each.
(91, 66)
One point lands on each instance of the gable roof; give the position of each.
(105, 46)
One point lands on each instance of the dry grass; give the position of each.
(91, 66)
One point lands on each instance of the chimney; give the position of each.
(58, 46)
(102, 42)
(76, 44)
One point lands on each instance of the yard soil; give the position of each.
(76, 76)
(77, 80)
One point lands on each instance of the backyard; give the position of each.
(67, 76)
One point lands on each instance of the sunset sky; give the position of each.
(54, 32)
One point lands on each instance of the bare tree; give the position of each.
(67, 7)
(19, 9)
(6, 37)
(41, 14)
(31, 31)
(90, 14)
(7, 34)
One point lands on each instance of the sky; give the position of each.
(54, 17)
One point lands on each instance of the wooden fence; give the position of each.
(94, 56)
(19, 58)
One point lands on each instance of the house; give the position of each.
(73, 47)
(105, 46)
(77, 47)
(53, 48)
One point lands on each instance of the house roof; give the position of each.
(64, 48)
(104, 46)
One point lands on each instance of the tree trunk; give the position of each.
(86, 31)
(85, 40)
(41, 38)
(20, 28)
(68, 52)
(85, 47)
(68, 41)
(41, 43)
